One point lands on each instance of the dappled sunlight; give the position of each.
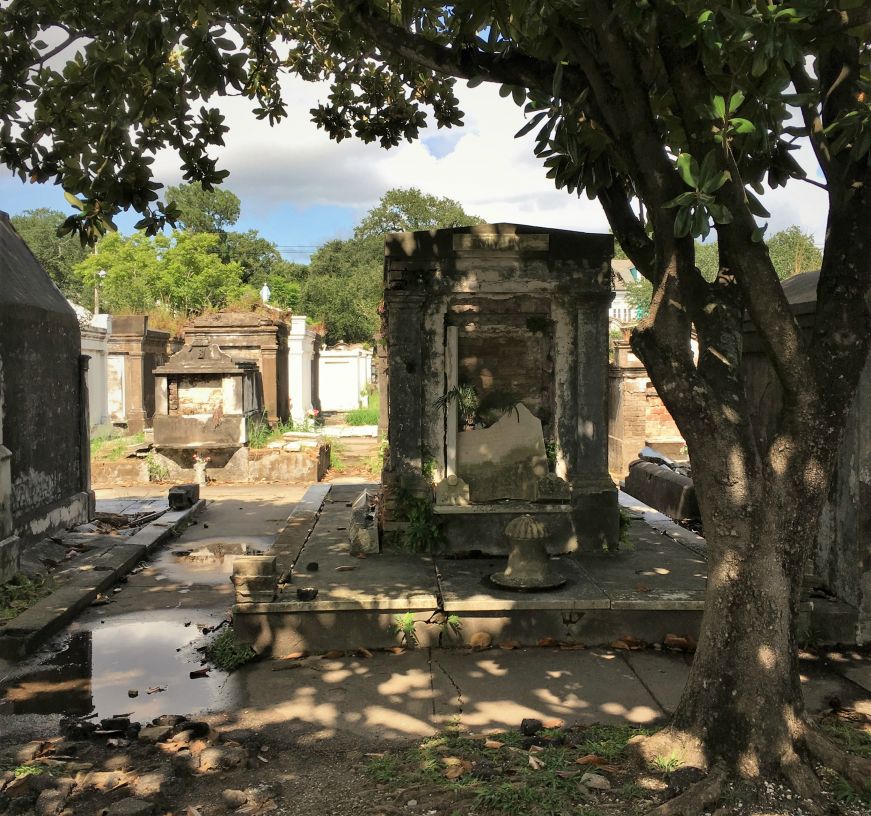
(635, 714)
(767, 658)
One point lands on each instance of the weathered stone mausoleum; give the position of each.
(496, 383)
(203, 399)
(44, 451)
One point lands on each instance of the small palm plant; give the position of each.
(466, 399)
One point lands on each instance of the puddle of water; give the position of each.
(92, 670)
(207, 561)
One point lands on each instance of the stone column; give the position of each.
(594, 496)
(269, 379)
(298, 379)
(134, 385)
(451, 381)
(85, 435)
(405, 412)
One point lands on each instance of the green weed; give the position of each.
(403, 625)
(157, 472)
(20, 593)
(667, 764)
(364, 416)
(227, 652)
(855, 741)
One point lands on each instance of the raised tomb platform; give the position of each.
(495, 384)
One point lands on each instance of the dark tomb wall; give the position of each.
(40, 348)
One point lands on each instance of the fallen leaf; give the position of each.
(553, 722)
(454, 772)
(364, 653)
(197, 673)
(509, 644)
(567, 774)
(599, 762)
(491, 743)
(548, 641)
(536, 749)
(679, 643)
(628, 643)
(642, 588)
(535, 764)
(333, 654)
(345, 568)
(295, 656)
(395, 649)
(262, 758)
(155, 689)
(566, 646)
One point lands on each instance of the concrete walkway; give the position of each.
(416, 693)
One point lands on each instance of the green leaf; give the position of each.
(740, 125)
(736, 101)
(688, 168)
(474, 82)
(73, 201)
(557, 80)
(715, 182)
(720, 213)
(718, 105)
(530, 124)
(682, 222)
(755, 205)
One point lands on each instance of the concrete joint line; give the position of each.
(644, 685)
(446, 673)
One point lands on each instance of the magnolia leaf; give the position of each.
(736, 101)
(740, 125)
(718, 105)
(688, 168)
(73, 201)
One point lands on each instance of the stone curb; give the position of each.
(34, 626)
(291, 538)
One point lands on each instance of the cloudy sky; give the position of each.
(299, 189)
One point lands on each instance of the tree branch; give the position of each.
(628, 229)
(812, 119)
(466, 63)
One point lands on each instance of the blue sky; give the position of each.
(300, 189)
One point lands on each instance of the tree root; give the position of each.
(695, 799)
(856, 770)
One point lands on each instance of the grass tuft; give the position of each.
(227, 652)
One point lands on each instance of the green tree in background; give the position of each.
(57, 255)
(215, 211)
(343, 285)
(201, 210)
(793, 252)
(180, 274)
(405, 209)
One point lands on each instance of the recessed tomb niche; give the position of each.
(496, 383)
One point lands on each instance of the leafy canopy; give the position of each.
(343, 285)
(57, 256)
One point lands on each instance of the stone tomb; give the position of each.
(496, 383)
(203, 399)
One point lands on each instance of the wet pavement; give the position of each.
(149, 635)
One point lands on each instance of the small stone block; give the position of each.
(181, 497)
(452, 491)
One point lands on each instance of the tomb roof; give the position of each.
(25, 282)
(201, 357)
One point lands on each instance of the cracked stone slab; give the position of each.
(498, 688)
